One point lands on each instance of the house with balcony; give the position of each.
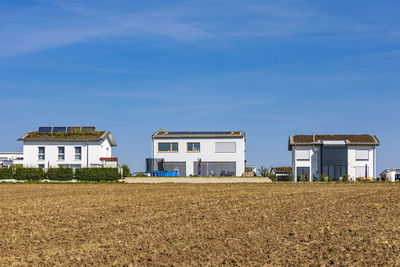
(200, 153)
(333, 156)
(74, 147)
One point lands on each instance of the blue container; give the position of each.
(165, 174)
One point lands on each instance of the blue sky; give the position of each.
(270, 68)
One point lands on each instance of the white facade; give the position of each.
(75, 153)
(392, 175)
(361, 159)
(11, 158)
(216, 149)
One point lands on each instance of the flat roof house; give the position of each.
(199, 153)
(333, 156)
(11, 158)
(73, 147)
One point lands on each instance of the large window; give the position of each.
(225, 147)
(180, 167)
(334, 161)
(303, 174)
(41, 155)
(204, 168)
(362, 154)
(302, 154)
(193, 147)
(167, 147)
(78, 153)
(61, 153)
(362, 171)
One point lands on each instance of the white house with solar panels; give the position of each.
(74, 147)
(199, 153)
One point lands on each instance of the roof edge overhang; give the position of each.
(111, 139)
(320, 142)
(105, 135)
(156, 135)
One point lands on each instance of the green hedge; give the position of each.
(97, 174)
(6, 173)
(60, 174)
(29, 174)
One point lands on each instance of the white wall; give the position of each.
(312, 162)
(95, 149)
(353, 162)
(207, 152)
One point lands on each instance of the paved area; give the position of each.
(196, 180)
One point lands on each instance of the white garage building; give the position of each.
(200, 153)
(392, 175)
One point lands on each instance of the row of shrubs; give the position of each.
(61, 174)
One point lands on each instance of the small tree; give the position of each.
(263, 171)
(126, 171)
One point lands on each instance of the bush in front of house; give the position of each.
(272, 177)
(126, 172)
(29, 174)
(60, 174)
(6, 173)
(97, 174)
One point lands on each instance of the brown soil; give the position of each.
(212, 224)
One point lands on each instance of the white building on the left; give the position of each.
(74, 147)
(11, 158)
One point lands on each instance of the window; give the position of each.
(78, 153)
(167, 147)
(225, 147)
(180, 167)
(302, 154)
(61, 153)
(204, 168)
(41, 166)
(303, 173)
(41, 153)
(362, 171)
(193, 147)
(362, 154)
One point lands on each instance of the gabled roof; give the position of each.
(349, 139)
(80, 136)
(198, 134)
(282, 169)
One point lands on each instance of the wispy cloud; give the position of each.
(58, 23)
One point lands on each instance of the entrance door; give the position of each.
(303, 174)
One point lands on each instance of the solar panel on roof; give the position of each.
(88, 129)
(45, 129)
(74, 129)
(59, 129)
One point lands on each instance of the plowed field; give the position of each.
(211, 224)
